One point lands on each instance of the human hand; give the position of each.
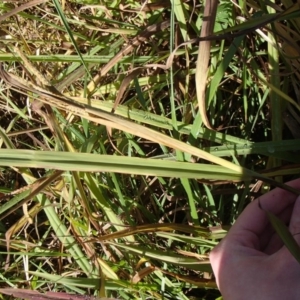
(251, 262)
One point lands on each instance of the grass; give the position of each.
(129, 204)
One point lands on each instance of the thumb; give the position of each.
(295, 221)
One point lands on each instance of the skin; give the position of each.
(251, 262)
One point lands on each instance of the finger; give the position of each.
(253, 220)
(294, 226)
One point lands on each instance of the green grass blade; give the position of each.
(69, 31)
(285, 235)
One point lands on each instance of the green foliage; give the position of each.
(129, 205)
